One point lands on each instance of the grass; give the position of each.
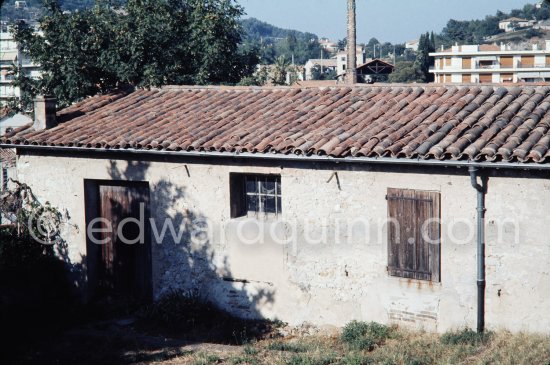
(374, 344)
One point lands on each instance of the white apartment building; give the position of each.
(491, 64)
(10, 54)
(342, 60)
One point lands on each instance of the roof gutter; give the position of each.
(301, 158)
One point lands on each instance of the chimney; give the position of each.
(502, 46)
(535, 47)
(547, 43)
(44, 112)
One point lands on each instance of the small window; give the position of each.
(414, 248)
(4, 178)
(255, 195)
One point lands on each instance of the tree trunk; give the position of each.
(351, 67)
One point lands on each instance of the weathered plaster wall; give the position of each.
(343, 277)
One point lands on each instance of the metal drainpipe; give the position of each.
(481, 190)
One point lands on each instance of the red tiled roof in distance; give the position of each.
(472, 122)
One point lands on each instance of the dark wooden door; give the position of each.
(122, 262)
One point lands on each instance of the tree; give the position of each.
(280, 71)
(405, 72)
(424, 60)
(351, 68)
(149, 43)
(325, 74)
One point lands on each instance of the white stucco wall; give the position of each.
(331, 283)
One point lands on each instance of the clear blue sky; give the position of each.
(387, 20)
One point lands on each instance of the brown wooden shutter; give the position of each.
(486, 78)
(506, 62)
(547, 61)
(527, 61)
(506, 77)
(447, 61)
(466, 63)
(466, 78)
(237, 195)
(410, 252)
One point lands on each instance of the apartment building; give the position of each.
(10, 55)
(491, 64)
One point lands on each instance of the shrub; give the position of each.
(465, 337)
(365, 336)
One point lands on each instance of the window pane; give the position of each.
(269, 204)
(279, 187)
(279, 206)
(268, 186)
(251, 185)
(252, 203)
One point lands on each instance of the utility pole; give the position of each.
(351, 67)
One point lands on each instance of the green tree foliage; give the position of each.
(324, 74)
(423, 62)
(147, 43)
(406, 72)
(274, 42)
(280, 71)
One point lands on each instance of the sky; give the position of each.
(387, 20)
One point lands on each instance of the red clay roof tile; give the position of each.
(430, 122)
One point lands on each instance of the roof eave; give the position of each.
(302, 158)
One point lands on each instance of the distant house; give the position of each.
(421, 206)
(543, 24)
(342, 60)
(412, 45)
(369, 70)
(328, 45)
(324, 64)
(511, 24)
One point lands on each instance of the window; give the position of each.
(414, 234)
(255, 195)
(4, 179)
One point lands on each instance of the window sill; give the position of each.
(416, 283)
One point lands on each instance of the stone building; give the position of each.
(321, 205)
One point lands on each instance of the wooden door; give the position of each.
(122, 262)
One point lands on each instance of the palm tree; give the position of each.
(351, 68)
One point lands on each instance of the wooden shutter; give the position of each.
(237, 195)
(411, 254)
(547, 61)
(466, 78)
(486, 78)
(507, 62)
(466, 63)
(506, 77)
(447, 61)
(527, 61)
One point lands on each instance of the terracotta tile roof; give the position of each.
(486, 123)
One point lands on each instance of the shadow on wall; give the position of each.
(183, 256)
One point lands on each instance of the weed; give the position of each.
(206, 359)
(466, 337)
(287, 346)
(305, 359)
(365, 336)
(355, 358)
